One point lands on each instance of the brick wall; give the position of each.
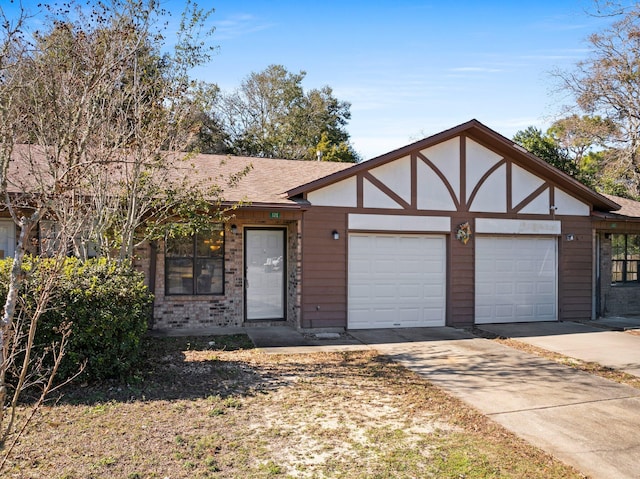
(227, 310)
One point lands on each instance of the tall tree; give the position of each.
(271, 115)
(607, 84)
(545, 147)
(579, 135)
(591, 167)
(92, 111)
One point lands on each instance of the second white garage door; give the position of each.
(396, 281)
(516, 279)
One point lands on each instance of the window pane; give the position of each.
(179, 276)
(211, 245)
(181, 247)
(633, 246)
(617, 247)
(616, 271)
(209, 276)
(632, 271)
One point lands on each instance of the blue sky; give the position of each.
(412, 68)
(409, 68)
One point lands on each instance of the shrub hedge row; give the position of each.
(106, 304)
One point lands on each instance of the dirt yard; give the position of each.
(213, 407)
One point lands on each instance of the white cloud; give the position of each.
(476, 69)
(239, 25)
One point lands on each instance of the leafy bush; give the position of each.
(106, 304)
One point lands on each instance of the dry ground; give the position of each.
(199, 411)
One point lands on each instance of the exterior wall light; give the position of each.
(335, 234)
(570, 237)
(234, 229)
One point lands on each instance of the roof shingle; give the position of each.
(268, 179)
(266, 182)
(628, 207)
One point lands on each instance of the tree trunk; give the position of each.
(6, 323)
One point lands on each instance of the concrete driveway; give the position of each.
(615, 349)
(586, 421)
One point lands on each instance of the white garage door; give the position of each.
(516, 279)
(396, 281)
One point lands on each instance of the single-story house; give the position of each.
(464, 227)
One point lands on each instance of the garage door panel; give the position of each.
(433, 315)
(503, 266)
(360, 293)
(382, 266)
(527, 288)
(545, 288)
(359, 266)
(383, 292)
(504, 311)
(522, 284)
(525, 311)
(543, 310)
(411, 315)
(504, 288)
(434, 266)
(433, 290)
(407, 267)
(406, 281)
(410, 291)
(525, 267)
(484, 289)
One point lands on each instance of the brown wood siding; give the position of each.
(325, 262)
(575, 269)
(461, 276)
(324, 271)
(617, 226)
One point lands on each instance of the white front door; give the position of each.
(396, 281)
(516, 279)
(265, 273)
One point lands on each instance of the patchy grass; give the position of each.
(586, 366)
(208, 408)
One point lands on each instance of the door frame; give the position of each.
(285, 284)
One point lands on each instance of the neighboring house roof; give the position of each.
(628, 208)
(484, 134)
(265, 183)
(268, 178)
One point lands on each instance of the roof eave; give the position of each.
(256, 205)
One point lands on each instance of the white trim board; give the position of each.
(518, 227)
(399, 223)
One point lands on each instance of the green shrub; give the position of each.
(106, 304)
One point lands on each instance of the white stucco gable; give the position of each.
(343, 193)
(475, 171)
